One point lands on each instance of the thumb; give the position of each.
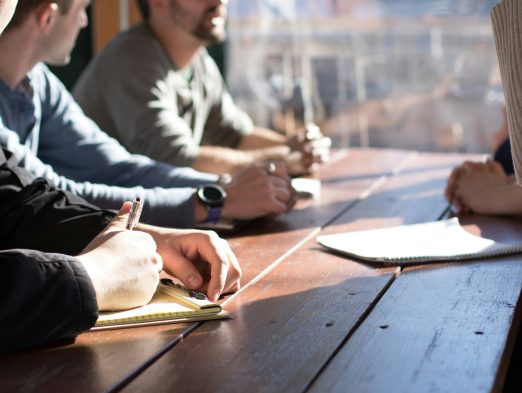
(496, 167)
(119, 222)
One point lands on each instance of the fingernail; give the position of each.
(193, 282)
(214, 296)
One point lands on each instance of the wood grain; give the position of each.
(283, 332)
(439, 328)
(102, 360)
(94, 363)
(287, 325)
(344, 182)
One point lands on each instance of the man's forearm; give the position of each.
(222, 160)
(261, 138)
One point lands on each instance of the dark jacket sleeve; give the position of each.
(35, 215)
(43, 298)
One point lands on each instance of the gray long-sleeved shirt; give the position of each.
(137, 95)
(52, 138)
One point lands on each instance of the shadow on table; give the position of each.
(381, 204)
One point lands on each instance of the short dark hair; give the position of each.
(143, 6)
(25, 7)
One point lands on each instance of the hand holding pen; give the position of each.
(123, 265)
(184, 251)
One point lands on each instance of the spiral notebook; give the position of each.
(437, 241)
(171, 303)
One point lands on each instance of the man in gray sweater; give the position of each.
(156, 90)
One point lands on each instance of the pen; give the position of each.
(135, 213)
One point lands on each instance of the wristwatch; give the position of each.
(212, 197)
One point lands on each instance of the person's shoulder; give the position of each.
(135, 43)
(204, 63)
(41, 77)
(40, 70)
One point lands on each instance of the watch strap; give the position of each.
(214, 213)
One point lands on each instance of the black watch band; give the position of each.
(212, 196)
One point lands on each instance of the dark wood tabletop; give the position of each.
(307, 320)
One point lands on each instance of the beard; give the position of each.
(204, 30)
(211, 35)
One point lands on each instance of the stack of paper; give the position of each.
(444, 240)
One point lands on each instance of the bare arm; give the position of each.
(220, 160)
(299, 152)
(262, 138)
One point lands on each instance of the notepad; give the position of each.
(437, 241)
(170, 304)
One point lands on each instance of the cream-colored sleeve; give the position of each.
(506, 19)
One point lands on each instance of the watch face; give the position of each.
(212, 195)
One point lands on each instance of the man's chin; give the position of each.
(210, 38)
(59, 61)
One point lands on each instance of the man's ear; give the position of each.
(46, 15)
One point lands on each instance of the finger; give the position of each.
(457, 204)
(312, 131)
(119, 222)
(318, 144)
(470, 166)
(277, 168)
(283, 182)
(277, 206)
(450, 187)
(183, 269)
(283, 193)
(214, 253)
(310, 159)
(453, 181)
(496, 167)
(232, 283)
(292, 201)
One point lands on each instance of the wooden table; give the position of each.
(307, 320)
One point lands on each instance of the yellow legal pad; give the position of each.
(172, 303)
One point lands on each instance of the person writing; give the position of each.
(179, 110)
(63, 260)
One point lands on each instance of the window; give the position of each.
(387, 73)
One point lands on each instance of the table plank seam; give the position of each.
(500, 380)
(127, 379)
(361, 197)
(273, 265)
(354, 328)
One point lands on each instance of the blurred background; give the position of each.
(415, 74)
